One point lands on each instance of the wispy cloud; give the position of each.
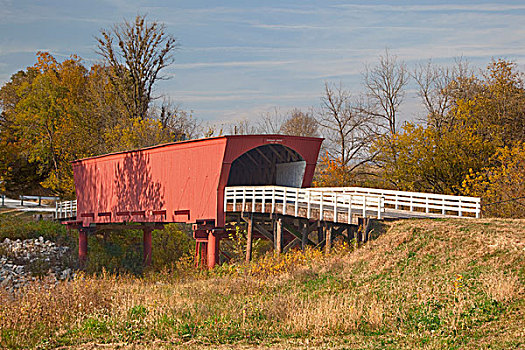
(233, 64)
(236, 95)
(477, 7)
(289, 27)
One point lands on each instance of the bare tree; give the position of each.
(432, 82)
(438, 87)
(300, 124)
(294, 122)
(242, 127)
(271, 122)
(136, 51)
(179, 123)
(348, 131)
(385, 85)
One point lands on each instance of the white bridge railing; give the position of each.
(303, 202)
(316, 202)
(66, 210)
(419, 203)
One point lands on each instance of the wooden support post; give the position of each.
(328, 244)
(359, 232)
(368, 224)
(304, 235)
(363, 230)
(320, 235)
(349, 235)
(82, 247)
(249, 238)
(278, 241)
(146, 239)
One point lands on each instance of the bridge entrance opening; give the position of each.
(271, 164)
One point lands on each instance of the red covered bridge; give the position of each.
(258, 181)
(185, 181)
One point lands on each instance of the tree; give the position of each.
(18, 174)
(385, 84)
(56, 112)
(501, 103)
(242, 127)
(137, 133)
(483, 115)
(348, 132)
(105, 109)
(502, 186)
(429, 161)
(300, 124)
(293, 122)
(137, 52)
(180, 124)
(44, 122)
(271, 122)
(439, 87)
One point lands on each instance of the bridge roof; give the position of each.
(206, 139)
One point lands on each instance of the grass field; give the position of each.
(423, 284)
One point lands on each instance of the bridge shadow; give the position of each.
(88, 187)
(134, 186)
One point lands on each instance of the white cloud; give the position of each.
(232, 64)
(479, 7)
(289, 26)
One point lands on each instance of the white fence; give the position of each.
(66, 210)
(302, 202)
(419, 203)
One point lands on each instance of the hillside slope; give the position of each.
(423, 284)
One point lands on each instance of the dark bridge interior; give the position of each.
(271, 164)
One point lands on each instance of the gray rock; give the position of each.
(19, 254)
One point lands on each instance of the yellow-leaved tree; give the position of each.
(476, 146)
(420, 158)
(502, 185)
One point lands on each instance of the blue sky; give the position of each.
(238, 59)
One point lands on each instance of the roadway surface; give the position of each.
(28, 205)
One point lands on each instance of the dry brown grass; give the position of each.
(424, 284)
(501, 287)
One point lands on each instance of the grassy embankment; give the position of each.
(427, 284)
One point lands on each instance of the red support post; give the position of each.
(213, 249)
(82, 246)
(147, 245)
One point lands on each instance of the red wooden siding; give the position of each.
(177, 182)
